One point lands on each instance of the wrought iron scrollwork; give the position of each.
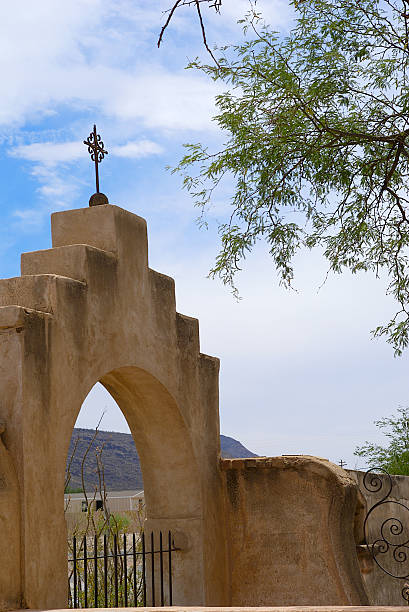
(388, 543)
(97, 152)
(95, 147)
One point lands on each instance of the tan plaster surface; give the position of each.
(9, 529)
(291, 523)
(90, 309)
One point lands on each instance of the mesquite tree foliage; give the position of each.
(394, 458)
(317, 142)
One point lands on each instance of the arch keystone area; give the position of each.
(262, 531)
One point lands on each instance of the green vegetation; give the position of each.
(394, 458)
(73, 490)
(316, 127)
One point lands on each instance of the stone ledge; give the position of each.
(72, 261)
(34, 292)
(251, 609)
(270, 462)
(14, 317)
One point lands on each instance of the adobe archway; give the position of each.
(90, 309)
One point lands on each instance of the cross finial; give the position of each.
(342, 463)
(97, 152)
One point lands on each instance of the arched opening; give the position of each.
(102, 452)
(104, 508)
(135, 402)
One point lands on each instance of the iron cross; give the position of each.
(96, 150)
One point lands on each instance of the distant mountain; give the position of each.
(121, 467)
(233, 449)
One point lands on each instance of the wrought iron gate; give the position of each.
(112, 572)
(387, 537)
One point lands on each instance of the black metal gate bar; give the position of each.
(95, 572)
(162, 598)
(125, 575)
(85, 574)
(121, 581)
(135, 592)
(74, 554)
(170, 567)
(144, 569)
(116, 569)
(105, 572)
(153, 569)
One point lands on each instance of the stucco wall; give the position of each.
(291, 532)
(10, 578)
(251, 532)
(90, 309)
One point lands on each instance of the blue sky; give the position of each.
(299, 371)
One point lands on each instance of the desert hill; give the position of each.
(122, 470)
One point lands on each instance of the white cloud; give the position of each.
(101, 55)
(136, 149)
(49, 153)
(161, 99)
(52, 154)
(89, 56)
(169, 101)
(57, 191)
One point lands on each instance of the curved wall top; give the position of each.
(90, 309)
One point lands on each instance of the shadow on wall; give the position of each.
(10, 534)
